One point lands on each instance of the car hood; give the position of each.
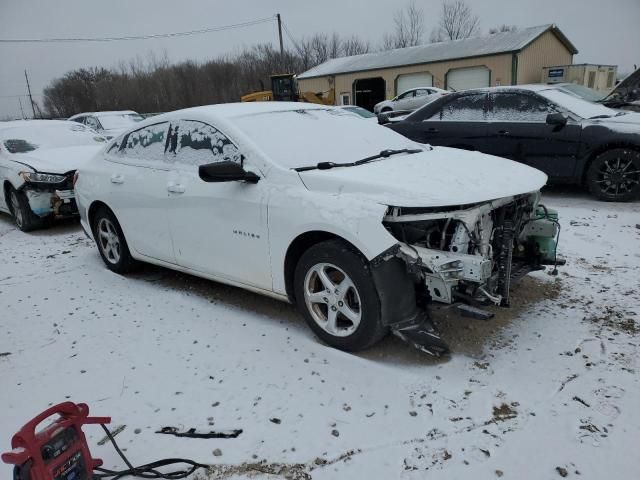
(434, 178)
(57, 160)
(629, 121)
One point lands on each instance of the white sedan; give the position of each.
(38, 160)
(356, 224)
(110, 123)
(410, 100)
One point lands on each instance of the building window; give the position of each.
(610, 79)
(345, 99)
(592, 79)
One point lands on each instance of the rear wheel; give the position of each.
(614, 175)
(336, 294)
(111, 242)
(23, 216)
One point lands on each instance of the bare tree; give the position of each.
(355, 46)
(503, 28)
(409, 28)
(457, 21)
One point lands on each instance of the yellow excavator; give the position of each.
(284, 88)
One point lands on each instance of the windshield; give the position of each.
(306, 137)
(360, 111)
(583, 92)
(576, 105)
(27, 138)
(110, 122)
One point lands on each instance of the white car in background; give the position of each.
(410, 100)
(109, 124)
(38, 160)
(360, 233)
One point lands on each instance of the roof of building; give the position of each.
(493, 44)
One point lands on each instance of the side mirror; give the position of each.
(383, 118)
(226, 172)
(556, 119)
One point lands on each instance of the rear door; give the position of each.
(220, 228)
(517, 129)
(138, 190)
(460, 122)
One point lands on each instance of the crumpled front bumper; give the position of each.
(45, 202)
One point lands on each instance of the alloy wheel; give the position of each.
(332, 299)
(109, 240)
(618, 176)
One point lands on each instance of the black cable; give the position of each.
(138, 37)
(148, 470)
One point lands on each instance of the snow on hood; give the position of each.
(437, 178)
(57, 160)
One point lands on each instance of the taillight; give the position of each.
(75, 178)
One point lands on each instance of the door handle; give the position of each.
(117, 178)
(175, 188)
(503, 133)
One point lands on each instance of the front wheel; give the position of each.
(614, 175)
(336, 294)
(111, 243)
(23, 216)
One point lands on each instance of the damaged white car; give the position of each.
(358, 226)
(38, 159)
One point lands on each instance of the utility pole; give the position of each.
(30, 97)
(21, 109)
(280, 35)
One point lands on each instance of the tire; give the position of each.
(111, 242)
(23, 216)
(614, 176)
(356, 306)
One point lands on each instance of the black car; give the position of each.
(570, 139)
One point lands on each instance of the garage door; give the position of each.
(413, 80)
(465, 78)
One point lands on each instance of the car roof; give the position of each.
(31, 123)
(532, 87)
(105, 113)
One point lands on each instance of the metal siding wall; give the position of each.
(500, 66)
(546, 51)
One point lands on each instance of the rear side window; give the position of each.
(516, 107)
(197, 143)
(147, 144)
(467, 108)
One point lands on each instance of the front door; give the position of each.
(517, 130)
(219, 229)
(138, 190)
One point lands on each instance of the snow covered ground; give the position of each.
(549, 388)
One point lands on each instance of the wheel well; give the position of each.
(600, 150)
(93, 208)
(300, 245)
(6, 187)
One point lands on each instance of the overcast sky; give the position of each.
(604, 32)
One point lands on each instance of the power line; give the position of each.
(139, 37)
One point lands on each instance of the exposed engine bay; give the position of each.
(471, 253)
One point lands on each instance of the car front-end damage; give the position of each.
(50, 195)
(467, 254)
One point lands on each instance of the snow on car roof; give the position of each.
(470, 47)
(106, 113)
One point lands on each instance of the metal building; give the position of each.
(599, 77)
(508, 58)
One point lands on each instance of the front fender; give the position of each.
(294, 212)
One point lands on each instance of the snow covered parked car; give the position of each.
(109, 124)
(356, 224)
(38, 159)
